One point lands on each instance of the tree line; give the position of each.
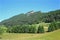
(30, 28)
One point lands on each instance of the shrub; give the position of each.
(58, 24)
(40, 29)
(17, 29)
(53, 26)
(25, 28)
(32, 29)
(3, 29)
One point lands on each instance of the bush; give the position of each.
(40, 29)
(58, 24)
(53, 26)
(25, 28)
(32, 29)
(17, 29)
(3, 29)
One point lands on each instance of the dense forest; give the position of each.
(32, 17)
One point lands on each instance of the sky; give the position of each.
(9, 8)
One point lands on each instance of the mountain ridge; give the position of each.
(33, 18)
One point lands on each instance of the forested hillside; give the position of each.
(32, 17)
(41, 24)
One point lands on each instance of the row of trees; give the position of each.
(26, 29)
(29, 28)
(33, 29)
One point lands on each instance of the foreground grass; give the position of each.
(25, 36)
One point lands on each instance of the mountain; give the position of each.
(32, 17)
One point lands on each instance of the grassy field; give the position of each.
(55, 35)
(25, 36)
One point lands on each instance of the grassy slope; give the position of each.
(46, 36)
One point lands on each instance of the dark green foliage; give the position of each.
(51, 16)
(19, 29)
(14, 29)
(23, 19)
(53, 26)
(32, 18)
(22, 29)
(58, 25)
(32, 29)
(26, 28)
(9, 30)
(40, 29)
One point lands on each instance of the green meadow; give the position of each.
(55, 35)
